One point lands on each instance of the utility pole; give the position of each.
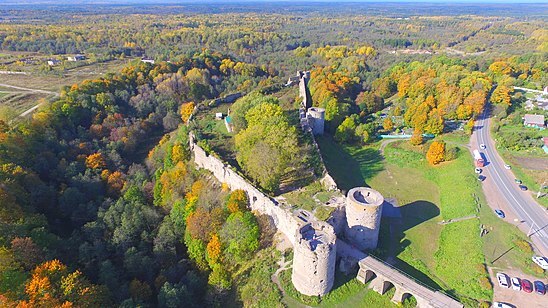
(540, 189)
(529, 233)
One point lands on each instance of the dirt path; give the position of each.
(384, 143)
(450, 221)
(28, 89)
(284, 265)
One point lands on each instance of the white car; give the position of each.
(516, 284)
(504, 280)
(477, 170)
(541, 261)
(507, 167)
(501, 305)
(482, 146)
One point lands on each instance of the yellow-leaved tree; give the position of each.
(186, 111)
(436, 152)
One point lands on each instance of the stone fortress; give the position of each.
(319, 246)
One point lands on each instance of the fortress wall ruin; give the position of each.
(282, 218)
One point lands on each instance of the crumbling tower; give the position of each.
(363, 215)
(314, 259)
(316, 120)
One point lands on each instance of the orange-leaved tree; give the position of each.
(213, 250)
(95, 161)
(436, 152)
(416, 138)
(237, 201)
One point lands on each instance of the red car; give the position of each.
(526, 285)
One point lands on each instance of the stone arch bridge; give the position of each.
(382, 276)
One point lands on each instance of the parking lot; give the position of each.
(519, 299)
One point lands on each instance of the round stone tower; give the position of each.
(363, 215)
(314, 257)
(316, 118)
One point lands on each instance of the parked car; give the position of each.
(481, 178)
(482, 146)
(516, 284)
(539, 287)
(517, 181)
(502, 305)
(523, 187)
(507, 167)
(477, 170)
(500, 213)
(504, 280)
(541, 261)
(526, 285)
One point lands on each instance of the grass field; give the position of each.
(347, 292)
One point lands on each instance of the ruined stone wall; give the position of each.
(283, 218)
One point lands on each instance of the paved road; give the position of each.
(529, 90)
(533, 215)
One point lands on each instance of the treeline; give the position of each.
(268, 39)
(84, 222)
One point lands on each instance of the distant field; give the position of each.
(54, 83)
(20, 102)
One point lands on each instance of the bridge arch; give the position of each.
(408, 299)
(369, 275)
(387, 285)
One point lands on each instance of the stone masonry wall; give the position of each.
(283, 219)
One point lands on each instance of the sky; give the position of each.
(241, 1)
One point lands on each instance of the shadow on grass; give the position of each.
(393, 241)
(349, 166)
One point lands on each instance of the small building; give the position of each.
(534, 120)
(147, 60)
(76, 58)
(53, 62)
(545, 91)
(218, 116)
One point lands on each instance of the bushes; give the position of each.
(523, 245)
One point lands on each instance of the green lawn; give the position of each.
(347, 292)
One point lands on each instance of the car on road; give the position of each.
(502, 305)
(518, 181)
(500, 213)
(526, 286)
(541, 261)
(507, 167)
(539, 287)
(482, 146)
(477, 170)
(523, 187)
(516, 284)
(504, 280)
